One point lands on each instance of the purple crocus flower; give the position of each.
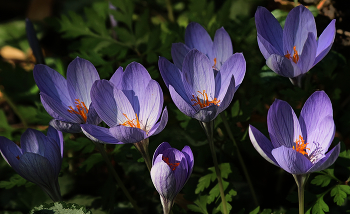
(38, 160)
(130, 104)
(196, 37)
(170, 171)
(293, 51)
(198, 90)
(299, 146)
(68, 101)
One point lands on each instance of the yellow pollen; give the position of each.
(130, 123)
(205, 101)
(172, 165)
(82, 109)
(295, 57)
(300, 146)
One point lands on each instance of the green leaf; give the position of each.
(204, 182)
(320, 206)
(340, 192)
(200, 205)
(215, 192)
(228, 198)
(224, 168)
(5, 128)
(255, 211)
(80, 143)
(15, 180)
(91, 161)
(266, 211)
(321, 180)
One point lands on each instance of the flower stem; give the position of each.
(301, 181)
(208, 128)
(142, 146)
(240, 159)
(116, 176)
(15, 109)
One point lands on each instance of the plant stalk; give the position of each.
(301, 181)
(208, 128)
(240, 159)
(116, 176)
(142, 147)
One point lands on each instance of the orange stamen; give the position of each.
(17, 157)
(130, 123)
(214, 66)
(205, 101)
(295, 57)
(300, 146)
(172, 165)
(82, 109)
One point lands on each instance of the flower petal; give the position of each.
(151, 104)
(266, 48)
(325, 41)
(50, 111)
(283, 66)
(327, 161)
(158, 127)
(269, 28)
(198, 73)
(164, 180)
(222, 47)
(228, 96)
(190, 159)
(283, 124)
(102, 95)
(61, 109)
(178, 53)
(128, 134)
(52, 83)
(316, 108)
(33, 141)
(207, 114)
(102, 134)
(181, 103)
(197, 37)
(57, 136)
(117, 77)
(9, 151)
(308, 55)
(291, 160)
(235, 65)
(160, 149)
(92, 116)
(65, 126)
(81, 74)
(53, 155)
(134, 82)
(262, 145)
(299, 23)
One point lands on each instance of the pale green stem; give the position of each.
(15, 109)
(295, 3)
(240, 159)
(208, 128)
(142, 146)
(116, 176)
(301, 181)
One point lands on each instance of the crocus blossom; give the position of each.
(38, 159)
(196, 37)
(299, 146)
(130, 104)
(170, 171)
(68, 100)
(293, 51)
(198, 90)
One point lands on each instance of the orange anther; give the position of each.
(172, 165)
(17, 157)
(300, 146)
(295, 57)
(130, 123)
(205, 101)
(82, 110)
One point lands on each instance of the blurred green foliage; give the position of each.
(144, 31)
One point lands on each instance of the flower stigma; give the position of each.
(172, 165)
(131, 123)
(82, 109)
(300, 146)
(205, 101)
(214, 66)
(295, 57)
